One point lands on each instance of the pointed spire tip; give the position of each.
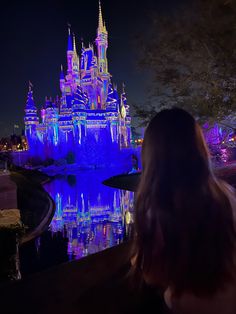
(70, 45)
(74, 43)
(100, 19)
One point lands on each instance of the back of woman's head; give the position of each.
(174, 146)
(184, 224)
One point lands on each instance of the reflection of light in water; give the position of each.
(127, 217)
(95, 216)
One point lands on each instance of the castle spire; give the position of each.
(62, 77)
(70, 46)
(123, 88)
(31, 118)
(30, 86)
(104, 27)
(74, 44)
(30, 100)
(100, 19)
(102, 43)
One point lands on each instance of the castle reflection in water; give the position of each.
(92, 216)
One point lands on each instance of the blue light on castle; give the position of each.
(90, 118)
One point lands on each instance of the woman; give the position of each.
(185, 231)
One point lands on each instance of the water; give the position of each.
(89, 218)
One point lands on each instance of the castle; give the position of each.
(90, 117)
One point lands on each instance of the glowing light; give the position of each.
(127, 217)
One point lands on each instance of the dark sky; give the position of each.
(34, 41)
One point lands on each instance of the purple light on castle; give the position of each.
(90, 119)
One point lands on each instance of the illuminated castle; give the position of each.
(90, 117)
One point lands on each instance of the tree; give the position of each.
(192, 56)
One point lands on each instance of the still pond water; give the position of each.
(89, 218)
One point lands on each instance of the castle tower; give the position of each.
(102, 44)
(89, 76)
(70, 54)
(75, 64)
(72, 79)
(62, 80)
(31, 119)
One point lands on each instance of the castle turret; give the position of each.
(62, 80)
(70, 54)
(31, 119)
(75, 65)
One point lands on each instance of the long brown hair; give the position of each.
(183, 218)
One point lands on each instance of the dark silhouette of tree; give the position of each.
(191, 53)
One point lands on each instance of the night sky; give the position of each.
(34, 42)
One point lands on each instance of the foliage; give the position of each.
(192, 55)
